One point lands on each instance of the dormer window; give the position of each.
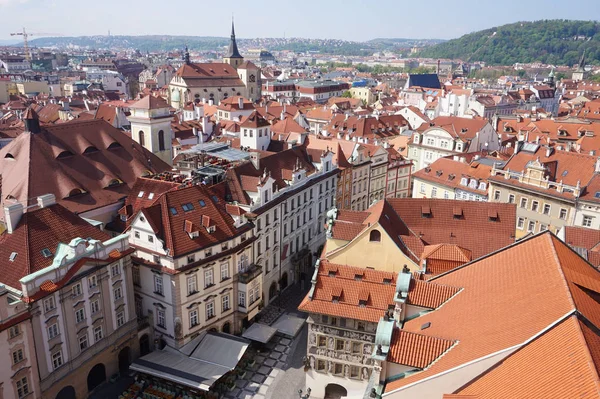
(473, 183)
(482, 186)
(464, 181)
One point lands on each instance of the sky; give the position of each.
(357, 20)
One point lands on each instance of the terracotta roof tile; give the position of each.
(416, 350)
(428, 294)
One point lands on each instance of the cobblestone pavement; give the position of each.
(278, 371)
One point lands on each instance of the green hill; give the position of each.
(556, 42)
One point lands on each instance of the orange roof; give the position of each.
(349, 285)
(448, 172)
(416, 350)
(561, 361)
(500, 307)
(429, 295)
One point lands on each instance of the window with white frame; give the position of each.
(511, 199)
(92, 281)
(520, 223)
(433, 192)
(77, 289)
(22, 387)
(225, 303)
(587, 221)
(192, 286)
(208, 278)
(210, 310)
(95, 306)
(83, 342)
(531, 226)
(496, 195)
(523, 203)
(118, 293)
(53, 330)
(49, 304)
(79, 315)
(160, 318)
(115, 270)
(97, 333)
(535, 205)
(224, 271)
(546, 210)
(14, 331)
(18, 356)
(57, 359)
(194, 318)
(120, 319)
(422, 189)
(563, 214)
(158, 285)
(242, 299)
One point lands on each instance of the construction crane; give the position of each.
(26, 44)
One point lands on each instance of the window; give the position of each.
(225, 303)
(523, 203)
(97, 333)
(322, 341)
(160, 318)
(375, 236)
(511, 199)
(242, 299)
(546, 209)
(356, 347)
(520, 223)
(18, 356)
(22, 387)
(191, 285)
(194, 318)
(208, 278)
(141, 138)
(187, 207)
(543, 227)
(535, 206)
(120, 319)
(354, 372)
(135, 273)
(338, 369)
(224, 271)
(92, 282)
(150, 238)
(115, 270)
(433, 192)
(531, 226)
(83, 342)
(118, 293)
(79, 315)
(76, 289)
(158, 285)
(49, 304)
(57, 359)
(339, 345)
(95, 306)
(563, 214)
(496, 195)
(161, 140)
(14, 331)
(210, 310)
(587, 221)
(52, 331)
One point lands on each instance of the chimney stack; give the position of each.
(241, 102)
(597, 168)
(44, 201)
(12, 216)
(255, 158)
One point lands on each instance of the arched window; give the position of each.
(375, 236)
(161, 140)
(141, 138)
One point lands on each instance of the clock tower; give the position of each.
(233, 56)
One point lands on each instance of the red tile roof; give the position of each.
(497, 300)
(416, 350)
(91, 156)
(150, 102)
(428, 294)
(39, 229)
(448, 172)
(474, 231)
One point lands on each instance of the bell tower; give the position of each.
(233, 56)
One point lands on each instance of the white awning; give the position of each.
(288, 325)
(260, 333)
(199, 364)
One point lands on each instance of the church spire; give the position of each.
(582, 61)
(233, 51)
(186, 55)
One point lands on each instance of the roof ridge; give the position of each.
(590, 359)
(562, 273)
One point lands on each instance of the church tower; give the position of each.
(151, 126)
(580, 73)
(233, 56)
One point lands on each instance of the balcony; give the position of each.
(251, 272)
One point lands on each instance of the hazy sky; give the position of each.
(349, 19)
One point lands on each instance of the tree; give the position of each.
(347, 94)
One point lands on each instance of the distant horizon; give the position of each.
(349, 20)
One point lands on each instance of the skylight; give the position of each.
(187, 207)
(173, 211)
(140, 194)
(46, 252)
(151, 195)
(13, 256)
(202, 203)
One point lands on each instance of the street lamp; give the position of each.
(304, 396)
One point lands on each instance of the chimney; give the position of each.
(241, 102)
(548, 151)
(597, 168)
(12, 216)
(211, 102)
(255, 158)
(44, 201)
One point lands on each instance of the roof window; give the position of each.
(13, 256)
(173, 211)
(46, 253)
(187, 207)
(202, 203)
